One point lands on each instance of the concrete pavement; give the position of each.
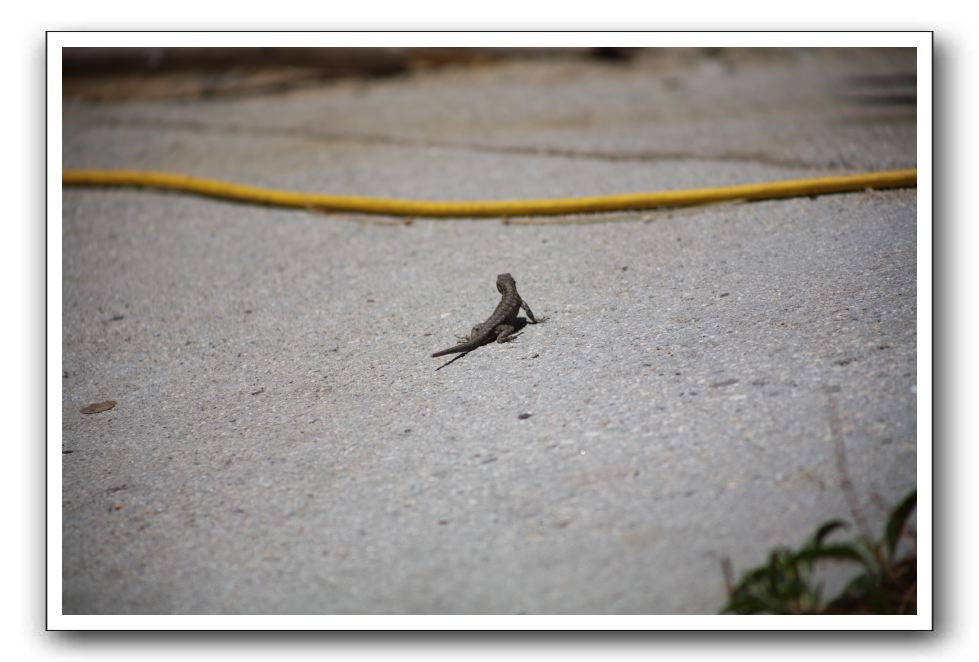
(282, 442)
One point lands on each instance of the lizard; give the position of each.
(501, 324)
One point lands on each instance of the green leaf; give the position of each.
(826, 529)
(836, 552)
(785, 584)
(898, 520)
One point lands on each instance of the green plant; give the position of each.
(887, 583)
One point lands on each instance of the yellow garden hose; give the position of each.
(492, 208)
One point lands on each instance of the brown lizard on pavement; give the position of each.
(501, 324)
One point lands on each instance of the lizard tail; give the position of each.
(458, 349)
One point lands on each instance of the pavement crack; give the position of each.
(369, 138)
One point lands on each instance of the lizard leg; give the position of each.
(472, 334)
(530, 313)
(504, 332)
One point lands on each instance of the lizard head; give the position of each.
(503, 281)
